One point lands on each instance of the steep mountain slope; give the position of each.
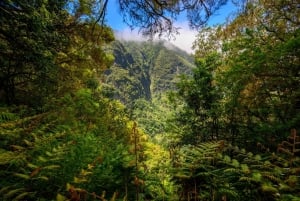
(145, 69)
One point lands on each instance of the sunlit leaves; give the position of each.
(258, 73)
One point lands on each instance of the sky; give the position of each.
(183, 40)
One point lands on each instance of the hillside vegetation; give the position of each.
(143, 70)
(141, 77)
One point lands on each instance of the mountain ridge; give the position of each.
(143, 69)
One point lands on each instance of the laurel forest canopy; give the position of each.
(224, 130)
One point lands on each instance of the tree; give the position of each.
(258, 71)
(31, 34)
(83, 62)
(157, 16)
(261, 71)
(199, 114)
(41, 53)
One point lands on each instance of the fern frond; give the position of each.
(232, 170)
(23, 195)
(247, 179)
(229, 192)
(284, 187)
(6, 116)
(257, 157)
(269, 188)
(257, 176)
(245, 168)
(17, 148)
(204, 174)
(9, 157)
(4, 189)
(23, 176)
(11, 193)
(235, 163)
(42, 159)
(227, 159)
(48, 153)
(180, 176)
(28, 143)
(271, 177)
(32, 166)
(51, 167)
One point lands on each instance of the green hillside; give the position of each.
(145, 69)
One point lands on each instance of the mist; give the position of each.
(183, 40)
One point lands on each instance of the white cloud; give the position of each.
(130, 35)
(183, 40)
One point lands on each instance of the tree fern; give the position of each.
(234, 173)
(196, 169)
(6, 116)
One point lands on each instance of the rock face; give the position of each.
(145, 69)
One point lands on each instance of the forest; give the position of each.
(87, 116)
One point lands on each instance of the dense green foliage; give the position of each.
(70, 98)
(44, 152)
(216, 171)
(245, 88)
(32, 34)
(245, 91)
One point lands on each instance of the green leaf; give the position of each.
(23, 176)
